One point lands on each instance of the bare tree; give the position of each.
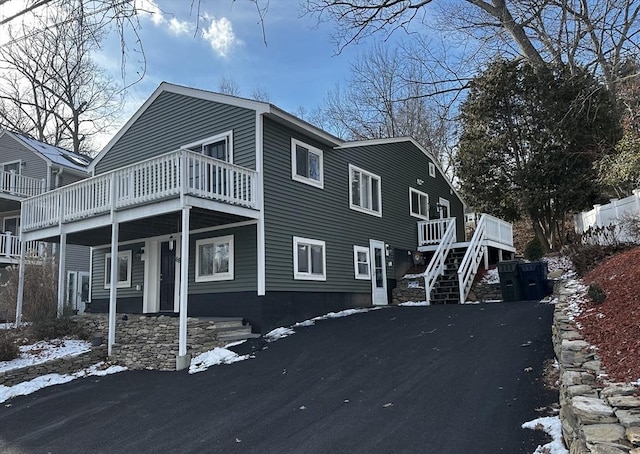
(591, 33)
(387, 95)
(51, 88)
(229, 87)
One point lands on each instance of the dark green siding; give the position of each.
(97, 273)
(296, 209)
(173, 120)
(245, 266)
(245, 262)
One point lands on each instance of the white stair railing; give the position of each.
(491, 229)
(436, 265)
(471, 260)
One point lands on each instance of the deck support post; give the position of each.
(23, 253)
(113, 286)
(62, 266)
(183, 360)
(485, 252)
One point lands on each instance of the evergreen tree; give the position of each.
(530, 138)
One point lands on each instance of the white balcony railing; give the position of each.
(10, 247)
(174, 174)
(20, 186)
(431, 232)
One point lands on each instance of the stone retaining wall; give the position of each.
(65, 365)
(409, 290)
(597, 417)
(150, 342)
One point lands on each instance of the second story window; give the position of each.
(306, 164)
(419, 202)
(218, 147)
(365, 193)
(11, 167)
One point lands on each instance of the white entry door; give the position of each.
(77, 290)
(378, 273)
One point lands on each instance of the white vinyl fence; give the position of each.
(609, 215)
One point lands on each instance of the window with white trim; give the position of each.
(214, 259)
(123, 272)
(361, 263)
(11, 167)
(432, 169)
(419, 203)
(306, 164)
(219, 146)
(309, 259)
(365, 192)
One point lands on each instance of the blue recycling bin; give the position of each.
(533, 280)
(510, 283)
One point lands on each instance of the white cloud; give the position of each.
(178, 27)
(220, 35)
(151, 10)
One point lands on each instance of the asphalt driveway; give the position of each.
(440, 379)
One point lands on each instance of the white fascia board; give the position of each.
(166, 87)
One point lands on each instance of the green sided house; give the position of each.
(210, 205)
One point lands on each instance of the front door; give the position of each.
(167, 275)
(77, 290)
(378, 273)
(445, 208)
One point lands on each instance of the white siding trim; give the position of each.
(309, 276)
(120, 284)
(358, 275)
(358, 207)
(226, 276)
(301, 178)
(424, 217)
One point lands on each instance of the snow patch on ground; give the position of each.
(278, 333)
(491, 276)
(31, 386)
(344, 313)
(552, 426)
(6, 325)
(44, 351)
(214, 357)
(414, 303)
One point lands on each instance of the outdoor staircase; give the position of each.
(233, 329)
(446, 290)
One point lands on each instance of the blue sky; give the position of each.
(297, 66)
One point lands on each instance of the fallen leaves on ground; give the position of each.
(614, 326)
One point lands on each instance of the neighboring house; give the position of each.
(29, 168)
(220, 206)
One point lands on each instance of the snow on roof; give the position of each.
(56, 155)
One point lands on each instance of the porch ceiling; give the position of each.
(8, 204)
(163, 224)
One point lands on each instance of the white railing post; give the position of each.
(7, 244)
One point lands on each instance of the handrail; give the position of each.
(19, 185)
(471, 260)
(178, 173)
(436, 264)
(10, 247)
(432, 231)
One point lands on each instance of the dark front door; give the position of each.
(167, 275)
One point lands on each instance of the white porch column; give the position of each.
(183, 361)
(23, 252)
(113, 285)
(62, 265)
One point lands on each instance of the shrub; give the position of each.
(596, 293)
(8, 348)
(586, 257)
(40, 292)
(534, 250)
(57, 328)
